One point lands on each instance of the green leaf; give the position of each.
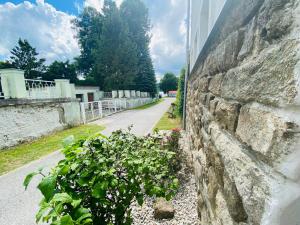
(99, 190)
(66, 220)
(62, 198)
(76, 203)
(44, 207)
(83, 218)
(28, 178)
(64, 170)
(140, 199)
(47, 187)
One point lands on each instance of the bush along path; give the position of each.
(184, 203)
(102, 176)
(117, 180)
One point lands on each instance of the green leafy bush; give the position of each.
(180, 93)
(100, 178)
(172, 144)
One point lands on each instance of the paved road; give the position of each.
(18, 207)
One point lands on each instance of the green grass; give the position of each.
(166, 123)
(22, 154)
(149, 105)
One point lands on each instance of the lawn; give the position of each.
(149, 105)
(22, 154)
(166, 123)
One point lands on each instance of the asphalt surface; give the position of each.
(18, 207)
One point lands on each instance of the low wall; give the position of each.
(24, 120)
(243, 116)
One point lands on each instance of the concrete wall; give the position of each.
(243, 116)
(27, 120)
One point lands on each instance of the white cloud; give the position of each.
(168, 35)
(98, 4)
(48, 30)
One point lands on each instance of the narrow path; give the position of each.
(142, 121)
(18, 207)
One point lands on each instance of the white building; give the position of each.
(88, 93)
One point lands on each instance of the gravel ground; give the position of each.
(185, 208)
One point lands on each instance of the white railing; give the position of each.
(107, 95)
(40, 89)
(95, 110)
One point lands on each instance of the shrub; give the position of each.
(172, 145)
(100, 178)
(180, 93)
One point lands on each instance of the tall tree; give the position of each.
(61, 70)
(116, 59)
(89, 27)
(168, 83)
(180, 93)
(135, 15)
(24, 57)
(146, 80)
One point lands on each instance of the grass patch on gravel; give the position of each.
(166, 123)
(22, 154)
(149, 105)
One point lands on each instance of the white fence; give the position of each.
(13, 85)
(95, 110)
(40, 89)
(107, 95)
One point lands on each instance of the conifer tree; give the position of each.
(116, 59)
(135, 14)
(24, 57)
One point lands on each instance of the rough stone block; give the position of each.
(212, 106)
(269, 78)
(206, 119)
(248, 40)
(203, 84)
(215, 84)
(264, 131)
(222, 213)
(224, 56)
(163, 209)
(234, 200)
(251, 181)
(276, 19)
(227, 113)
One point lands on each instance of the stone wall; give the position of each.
(25, 120)
(243, 116)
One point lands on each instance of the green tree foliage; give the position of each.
(135, 14)
(24, 57)
(115, 46)
(116, 59)
(146, 80)
(89, 27)
(61, 70)
(180, 93)
(168, 83)
(5, 65)
(100, 178)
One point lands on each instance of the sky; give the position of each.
(46, 24)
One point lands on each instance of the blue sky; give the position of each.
(68, 6)
(46, 24)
